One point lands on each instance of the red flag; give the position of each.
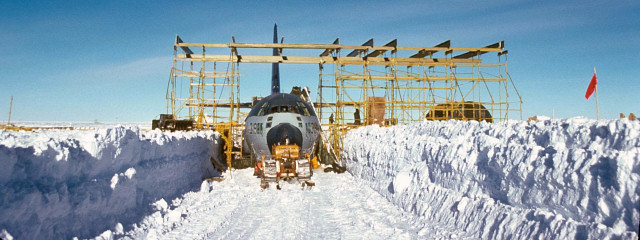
(592, 86)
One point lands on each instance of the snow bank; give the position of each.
(573, 178)
(82, 125)
(58, 184)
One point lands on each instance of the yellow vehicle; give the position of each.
(286, 163)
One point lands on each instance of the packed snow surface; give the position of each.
(566, 179)
(551, 179)
(58, 184)
(338, 207)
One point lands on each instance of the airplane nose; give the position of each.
(277, 135)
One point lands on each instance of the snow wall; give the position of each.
(59, 184)
(552, 179)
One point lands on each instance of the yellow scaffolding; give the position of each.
(209, 92)
(385, 85)
(457, 84)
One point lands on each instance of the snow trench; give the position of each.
(59, 184)
(553, 179)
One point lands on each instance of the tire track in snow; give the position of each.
(338, 207)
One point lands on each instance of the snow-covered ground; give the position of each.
(574, 178)
(557, 179)
(338, 207)
(82, 125)
(57, 184)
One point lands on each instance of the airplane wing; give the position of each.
(223, 105)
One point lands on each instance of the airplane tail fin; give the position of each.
(275, 69)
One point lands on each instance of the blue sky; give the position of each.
(102, 60)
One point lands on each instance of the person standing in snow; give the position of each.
(356, 116)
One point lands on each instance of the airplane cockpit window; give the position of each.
(262, 110)
(282, 103)
(280, 109)
(305, 111)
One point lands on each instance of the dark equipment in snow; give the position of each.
(460, 111)
(169, 122)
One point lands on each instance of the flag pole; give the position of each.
(597, 105)
(10, 106)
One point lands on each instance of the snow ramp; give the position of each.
(554, 179)
(58, 184)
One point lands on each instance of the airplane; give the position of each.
(281, 132)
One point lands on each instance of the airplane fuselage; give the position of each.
(280, 119)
